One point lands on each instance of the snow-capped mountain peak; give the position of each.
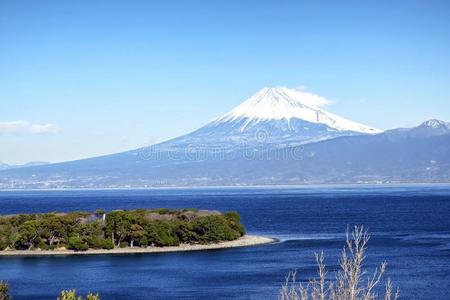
(435, 123)
(273, 118)
(281, 103)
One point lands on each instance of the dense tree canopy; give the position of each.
(120, 228)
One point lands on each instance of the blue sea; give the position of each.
(409, 226)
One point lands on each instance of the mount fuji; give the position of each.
(272, 118)
(277, 136)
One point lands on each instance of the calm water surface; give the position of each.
(410, 228)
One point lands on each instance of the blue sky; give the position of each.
(85, 78)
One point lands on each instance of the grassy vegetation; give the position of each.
(81, 231)
(351, 281)
(64, 295)
(72, 295)
(4, 291)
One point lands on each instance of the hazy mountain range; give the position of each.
(277, 136)
(4, 166)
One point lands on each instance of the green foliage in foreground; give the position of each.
(72, 295)
(81, 231)
(4, 291)
(64, 295)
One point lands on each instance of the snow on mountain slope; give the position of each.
(272, 118)
(436, 124)
(281, 103)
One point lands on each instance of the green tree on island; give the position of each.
(80, 231)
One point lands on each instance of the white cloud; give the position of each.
(311, 98)
(25, 127)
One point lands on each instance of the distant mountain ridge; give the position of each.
(428, 128)
(4, 166)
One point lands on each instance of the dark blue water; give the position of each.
(410, 228)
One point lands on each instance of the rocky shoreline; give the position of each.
(247, 240)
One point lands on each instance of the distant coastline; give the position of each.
(245, 241)
(206, 187)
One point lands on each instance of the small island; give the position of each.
(122, 231)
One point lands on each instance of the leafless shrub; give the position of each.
(350, 283)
